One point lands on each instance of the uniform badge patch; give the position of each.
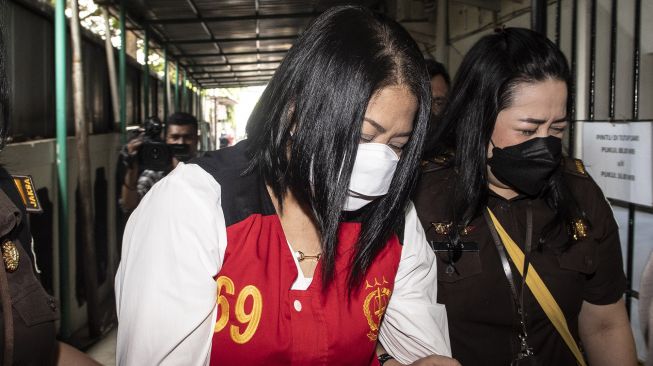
(25, 186)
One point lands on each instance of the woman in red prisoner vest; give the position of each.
(257, 302)
(297, 246)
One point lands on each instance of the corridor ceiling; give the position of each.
(228, 43)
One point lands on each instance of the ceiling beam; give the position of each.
(233, 74)
(228, 71)
(216, 82)
(206, 28)
(228, 40)
(233, 63)
(241, 85)
(220, 81)
(236, 77)
(232, 18)
(216, 54)
(220, 72)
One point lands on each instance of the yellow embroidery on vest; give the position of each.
(252, 318)
(375, 305)
(249, 319)
(227, 284)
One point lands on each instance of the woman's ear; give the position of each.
(490, 146)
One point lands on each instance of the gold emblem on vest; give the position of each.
(578, 229)
(444, 228)
(375, 305)
(10, 256)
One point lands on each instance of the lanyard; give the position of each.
(518, 298)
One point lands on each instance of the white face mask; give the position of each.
(374, 168)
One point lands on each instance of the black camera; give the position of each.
(155, 154)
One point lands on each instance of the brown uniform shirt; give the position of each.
(482, 319)
(34, 311)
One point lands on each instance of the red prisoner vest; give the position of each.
(260, 320)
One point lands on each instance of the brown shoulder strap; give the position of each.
(575, 167)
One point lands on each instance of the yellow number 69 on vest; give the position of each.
(250, 320)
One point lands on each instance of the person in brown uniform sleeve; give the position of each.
(507, 114)
(27, 328)
(27, 312)
(33, 311)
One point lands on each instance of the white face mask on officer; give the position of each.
(372, 174)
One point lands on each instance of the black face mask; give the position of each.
(527, 167)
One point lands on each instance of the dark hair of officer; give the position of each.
(435, 68)
(484, 85)
(310, 116)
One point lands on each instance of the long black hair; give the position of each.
(484, 85)
(305, 130)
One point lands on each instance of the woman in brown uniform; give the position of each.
(508, 191)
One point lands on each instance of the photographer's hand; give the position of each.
(135, 144)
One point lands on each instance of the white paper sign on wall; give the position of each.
(618, 157)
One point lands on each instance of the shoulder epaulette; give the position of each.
(25, 186)
(575, 167)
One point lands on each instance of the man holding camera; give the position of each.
(148, 158)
